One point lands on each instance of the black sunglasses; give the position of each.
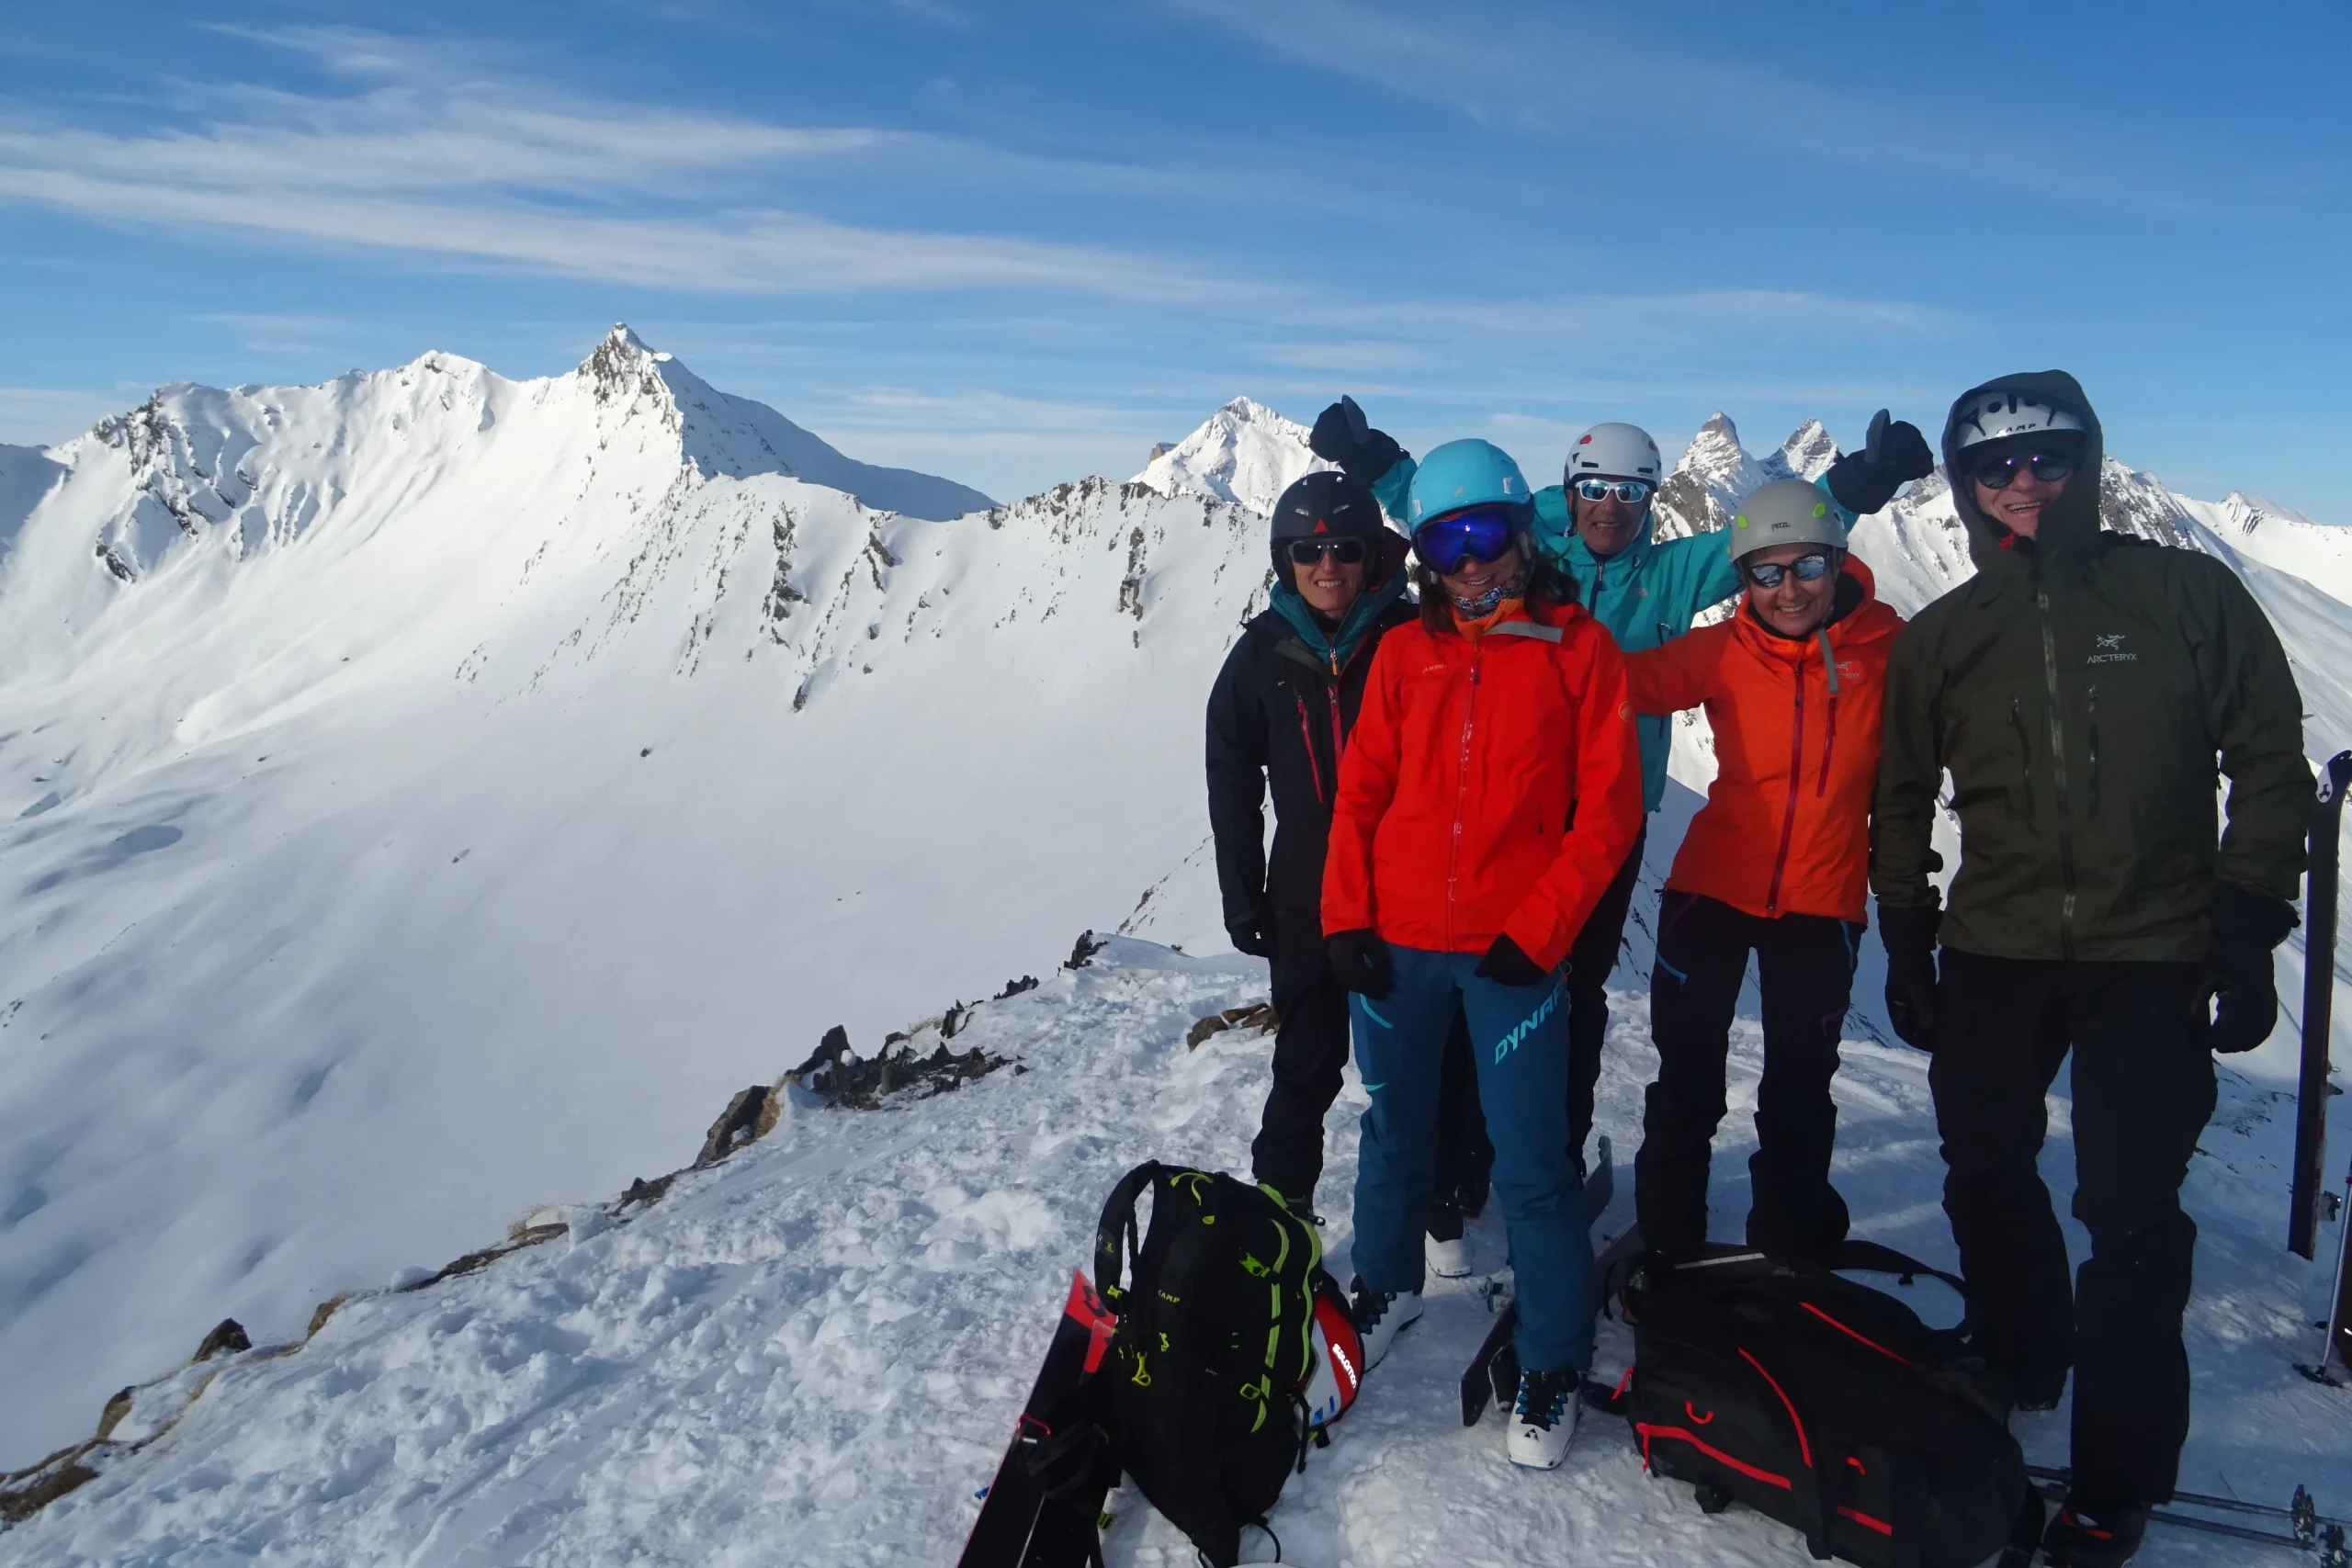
(1994, 473)
(1307, 552)
(1767, 574)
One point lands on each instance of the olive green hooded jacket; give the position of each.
(2083, 688)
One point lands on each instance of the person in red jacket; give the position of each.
(1490, 790)
(1776, 863)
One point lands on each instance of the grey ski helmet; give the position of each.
(1786, 512)
(1615, 452)
(1998, 412)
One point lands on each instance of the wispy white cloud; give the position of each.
(428, 160)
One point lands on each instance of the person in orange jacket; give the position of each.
(1491, 789)
(1775, 864)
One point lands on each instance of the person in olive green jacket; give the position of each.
(2079, 688)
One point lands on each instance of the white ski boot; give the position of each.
(1380, 1316)
(1543, 1423)
(1449, 1259)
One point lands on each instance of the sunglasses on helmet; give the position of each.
(1632, 492)
(1482, 533)
(1994, 473)
(1767, 574)
(1307, 552)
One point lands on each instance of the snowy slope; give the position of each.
(466, 782)
(812, 1354)
(430, 794)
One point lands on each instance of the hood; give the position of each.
(1337, 648)
(2067, 528)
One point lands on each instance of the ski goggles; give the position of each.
(1482, 532)
(1995, 473)
(1309, 552)
(1632, 492)
(1768, 573)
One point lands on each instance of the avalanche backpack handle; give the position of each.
(1116, 1236)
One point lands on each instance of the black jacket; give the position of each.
(1277, 715)
(2087, 691)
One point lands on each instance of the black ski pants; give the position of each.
(1311, 1052)
(1591, 959)
(2144, 1088)
(1805, 970)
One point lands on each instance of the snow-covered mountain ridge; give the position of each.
(474, 780)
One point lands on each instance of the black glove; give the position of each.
(1360, 962)
(1506, 960)
(1343, 435)
(1253, 933)
(2239, 985)
(1893, 455)
(1909, 931)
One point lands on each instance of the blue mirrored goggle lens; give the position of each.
(1632, 492)
(1809, 568)
(1480, 535)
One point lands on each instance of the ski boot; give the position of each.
(1380, 1316)
(1543, 1421)
(2103, 1538)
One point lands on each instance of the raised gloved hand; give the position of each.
(1360, 962)
(1343, 435)
(1507, 961)
(1909, 931)
(1253, 933)
(1893, 455)
(2239, 984)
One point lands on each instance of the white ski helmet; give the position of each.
(1998, 412)
(1786, 512)
(1615, 452)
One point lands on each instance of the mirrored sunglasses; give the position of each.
(1632, 492)
(1995, 473)
(1309, 552)
(1767, 574)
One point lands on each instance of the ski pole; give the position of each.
(2303, 1508)
(2330, 1545)
(2319, 997)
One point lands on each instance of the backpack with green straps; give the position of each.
(1216, 1339)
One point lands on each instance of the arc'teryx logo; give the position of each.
(2111, 649)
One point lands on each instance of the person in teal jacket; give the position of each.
(1597, 524)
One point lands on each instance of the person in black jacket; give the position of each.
(2087, 692)
(1278, 718)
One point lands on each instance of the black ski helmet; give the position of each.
(1326, 505)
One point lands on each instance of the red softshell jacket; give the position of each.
(1493, 784)
(1786, 827)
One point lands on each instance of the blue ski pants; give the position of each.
(1519, 1043)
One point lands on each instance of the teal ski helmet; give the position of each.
(1463, 474)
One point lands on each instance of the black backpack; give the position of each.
(1216, 1309)
(1824, 1404)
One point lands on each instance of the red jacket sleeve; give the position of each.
(1677, 674)
(1367, 783)
(1608, 805)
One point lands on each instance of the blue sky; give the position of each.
(1016, 243)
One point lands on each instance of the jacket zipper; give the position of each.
(1462, 791)
(1307, 739)
(2093, 696)
(2058, 775)
(1796, 781)
(2025, 757)
(1338, 732)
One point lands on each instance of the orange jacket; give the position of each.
(1493, 784)
(1759, 845)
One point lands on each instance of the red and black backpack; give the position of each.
(1823, 1403)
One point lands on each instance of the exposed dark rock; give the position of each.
(1014, 988)
(1089, 944)
(737, 1125)
(227, 1338)
(117, 1408)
